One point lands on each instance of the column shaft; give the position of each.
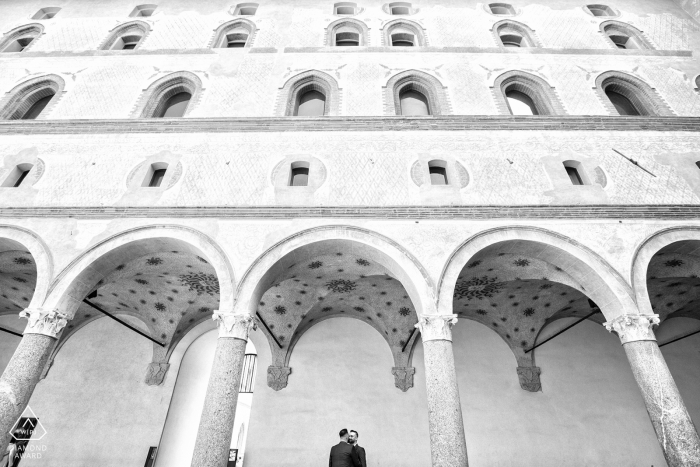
(19, 379)
(674, 428)
(216, 425)
(448, 444)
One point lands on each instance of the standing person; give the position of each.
(342, 454)
(352, 439)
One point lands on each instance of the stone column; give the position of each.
(24, 370)
(448, 445)
(216, 425)
(672, 424)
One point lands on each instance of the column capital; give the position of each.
(632, 328)
(46, 322)
(234, 326)
(436, 327)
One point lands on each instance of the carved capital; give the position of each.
(632, 328)
(235, 326)
(277, 376)
(403, 377)
(436, 327)
(47, 322)
(529, 377)
(155, 374)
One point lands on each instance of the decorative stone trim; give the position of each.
(398, 25)
(509, 26)
(34, 30)
(220, 33)
(157, 94)
(436, 327)
(644, 98)
(234, 326)
(46, 322)
(542, 94)
(156, 372)
(529, 377)
(23, 96)
(414, 80)
(632, 328)
(608, 27)
(312, 80)
(132, 27)
(347, 25)
(403, 377)
(278, 376)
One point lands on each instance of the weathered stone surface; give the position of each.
(156, 372)
(277, 377)
(403, 377)
(529, 377)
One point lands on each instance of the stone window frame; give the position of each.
(386, 8)
(361, 28)
(35, 30)
(417, 29)
(358, 9)
(124, 29)
(514, 11)
(23, 96)
(414, 80)
(521, 29)
(236, 10)
(615, 12)
(543, 95)
(627, 29)
(644, 98)
(50, 11)
(157, 94)
(221, 31)
(312, 80)
(580, 170)
(138, 10)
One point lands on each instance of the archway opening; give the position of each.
(176, 105)
(311, 104)
(520, 103)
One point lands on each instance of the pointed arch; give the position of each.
(21, 38)
(20, 99)
(413, 80)
(312, 80)
(542, 95)
(154, 99)
(243, 29)
(132, 29)
(645, 100)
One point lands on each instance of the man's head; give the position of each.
(352, 437)
(343, 434)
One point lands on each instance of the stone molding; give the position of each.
(457, 123)
(633, 328)
(278, 376)
(155, 374)
(529, 377)
(403, 377)
(46, 322)
(436, 327)
(234, 326)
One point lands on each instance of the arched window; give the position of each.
(575, 172)
(170, 97)
(501, 9)
(32, 99)
(415, 93)
(308, 94)
(511, 34)
(299, 174)
(20, 39)
(526, 94)
(600, 10)
(347, 33)
(46, 13)
(624, 36)
(403, 33)
(346, 9)
(624, 94)
(246, 9)
(155, 175)
(17, 176)
(438, 172)
(234, 34)
(127, 36)
(144, 10)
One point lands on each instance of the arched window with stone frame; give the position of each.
(174, 95)
(510, 33)
(627, 95)
(311, 93)
(403, 33)
(21, 38)
(347, 32)
(33, 99)
(521, 93)
(238, 33)
(414, 92)
(128, 36)
(624, 36)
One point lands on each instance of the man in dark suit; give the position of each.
(343, 454)
(352, 439)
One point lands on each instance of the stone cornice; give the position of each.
(387, 123)
(559, 212)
